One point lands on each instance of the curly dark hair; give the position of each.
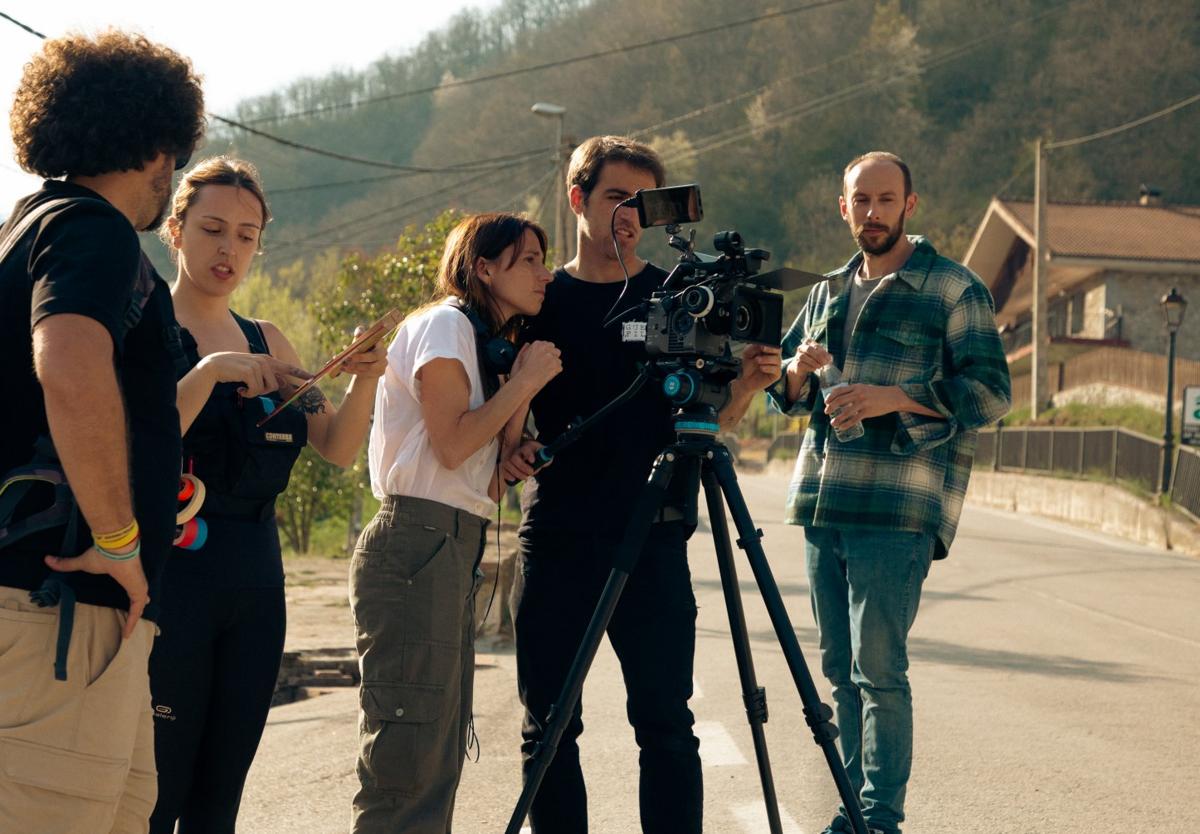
(103, 104)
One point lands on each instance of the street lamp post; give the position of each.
(556, 111)
(1174, 306)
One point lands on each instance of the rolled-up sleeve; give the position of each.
(975, 390)
(777, 397)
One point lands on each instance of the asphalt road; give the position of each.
(1056, 678)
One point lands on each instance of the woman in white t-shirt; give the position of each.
(441, 420)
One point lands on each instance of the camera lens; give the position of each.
(698, 301)
(745, 320)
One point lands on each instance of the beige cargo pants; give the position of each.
(75, 755)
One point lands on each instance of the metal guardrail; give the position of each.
(1185, 482)
(1114, 453)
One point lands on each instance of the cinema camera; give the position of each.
(707, 303)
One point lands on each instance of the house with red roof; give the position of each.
(1109, 266)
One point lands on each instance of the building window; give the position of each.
(1077, 320)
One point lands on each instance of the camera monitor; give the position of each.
(666, 206)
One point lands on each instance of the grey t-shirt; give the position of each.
(860, 290)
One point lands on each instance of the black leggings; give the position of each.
(212, 675)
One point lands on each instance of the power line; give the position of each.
(545, 201)
(726, 137)
(409, 169)
(591, 56)
(494, 76)
(723, 138)
(300, 247)
(375, 163)
(379, 216)
(537, 183)
(246, 126)
(480, 182)
(515, 199)
(16, 22)
(477, 184)
(700, 111)
(1112, 131)
(517, 157)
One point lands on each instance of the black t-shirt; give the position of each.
(594, 483)
(85, 259)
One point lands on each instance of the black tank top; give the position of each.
(243, 467)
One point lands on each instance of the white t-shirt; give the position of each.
(401, 457)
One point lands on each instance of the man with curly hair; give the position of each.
(87, 335)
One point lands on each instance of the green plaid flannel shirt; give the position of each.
(929, 328)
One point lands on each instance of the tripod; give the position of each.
(696, 429)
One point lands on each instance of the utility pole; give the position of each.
(556, 111)
(1039, 398)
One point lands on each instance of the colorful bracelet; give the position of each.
(121, 538)
(121, 557)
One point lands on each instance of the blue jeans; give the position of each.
(865, 588)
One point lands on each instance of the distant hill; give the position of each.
(764, 115)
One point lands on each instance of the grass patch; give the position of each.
(1138, 418)
(328, 537)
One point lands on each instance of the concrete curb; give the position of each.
(1097, 506)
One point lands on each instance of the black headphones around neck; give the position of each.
(495, 352)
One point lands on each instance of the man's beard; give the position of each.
(884, 246)
(161, 194)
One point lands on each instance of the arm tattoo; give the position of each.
(312, 401)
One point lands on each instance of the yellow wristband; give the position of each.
(121, 538)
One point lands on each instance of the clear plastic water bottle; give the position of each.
(831, 377)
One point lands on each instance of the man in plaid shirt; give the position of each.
(915, 335)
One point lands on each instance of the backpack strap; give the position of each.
(10, 240)
(143, 288)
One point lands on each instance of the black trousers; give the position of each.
(212, 675)
(653, 631)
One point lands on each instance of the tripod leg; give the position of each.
(818, 715)
(753, 695)
(624, 561)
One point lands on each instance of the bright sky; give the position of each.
(241, 50)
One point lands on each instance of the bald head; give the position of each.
(874, 158)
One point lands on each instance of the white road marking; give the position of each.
(717, 747)
(752, 817)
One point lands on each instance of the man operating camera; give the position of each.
(574, 511)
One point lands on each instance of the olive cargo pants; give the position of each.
(412, 591)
